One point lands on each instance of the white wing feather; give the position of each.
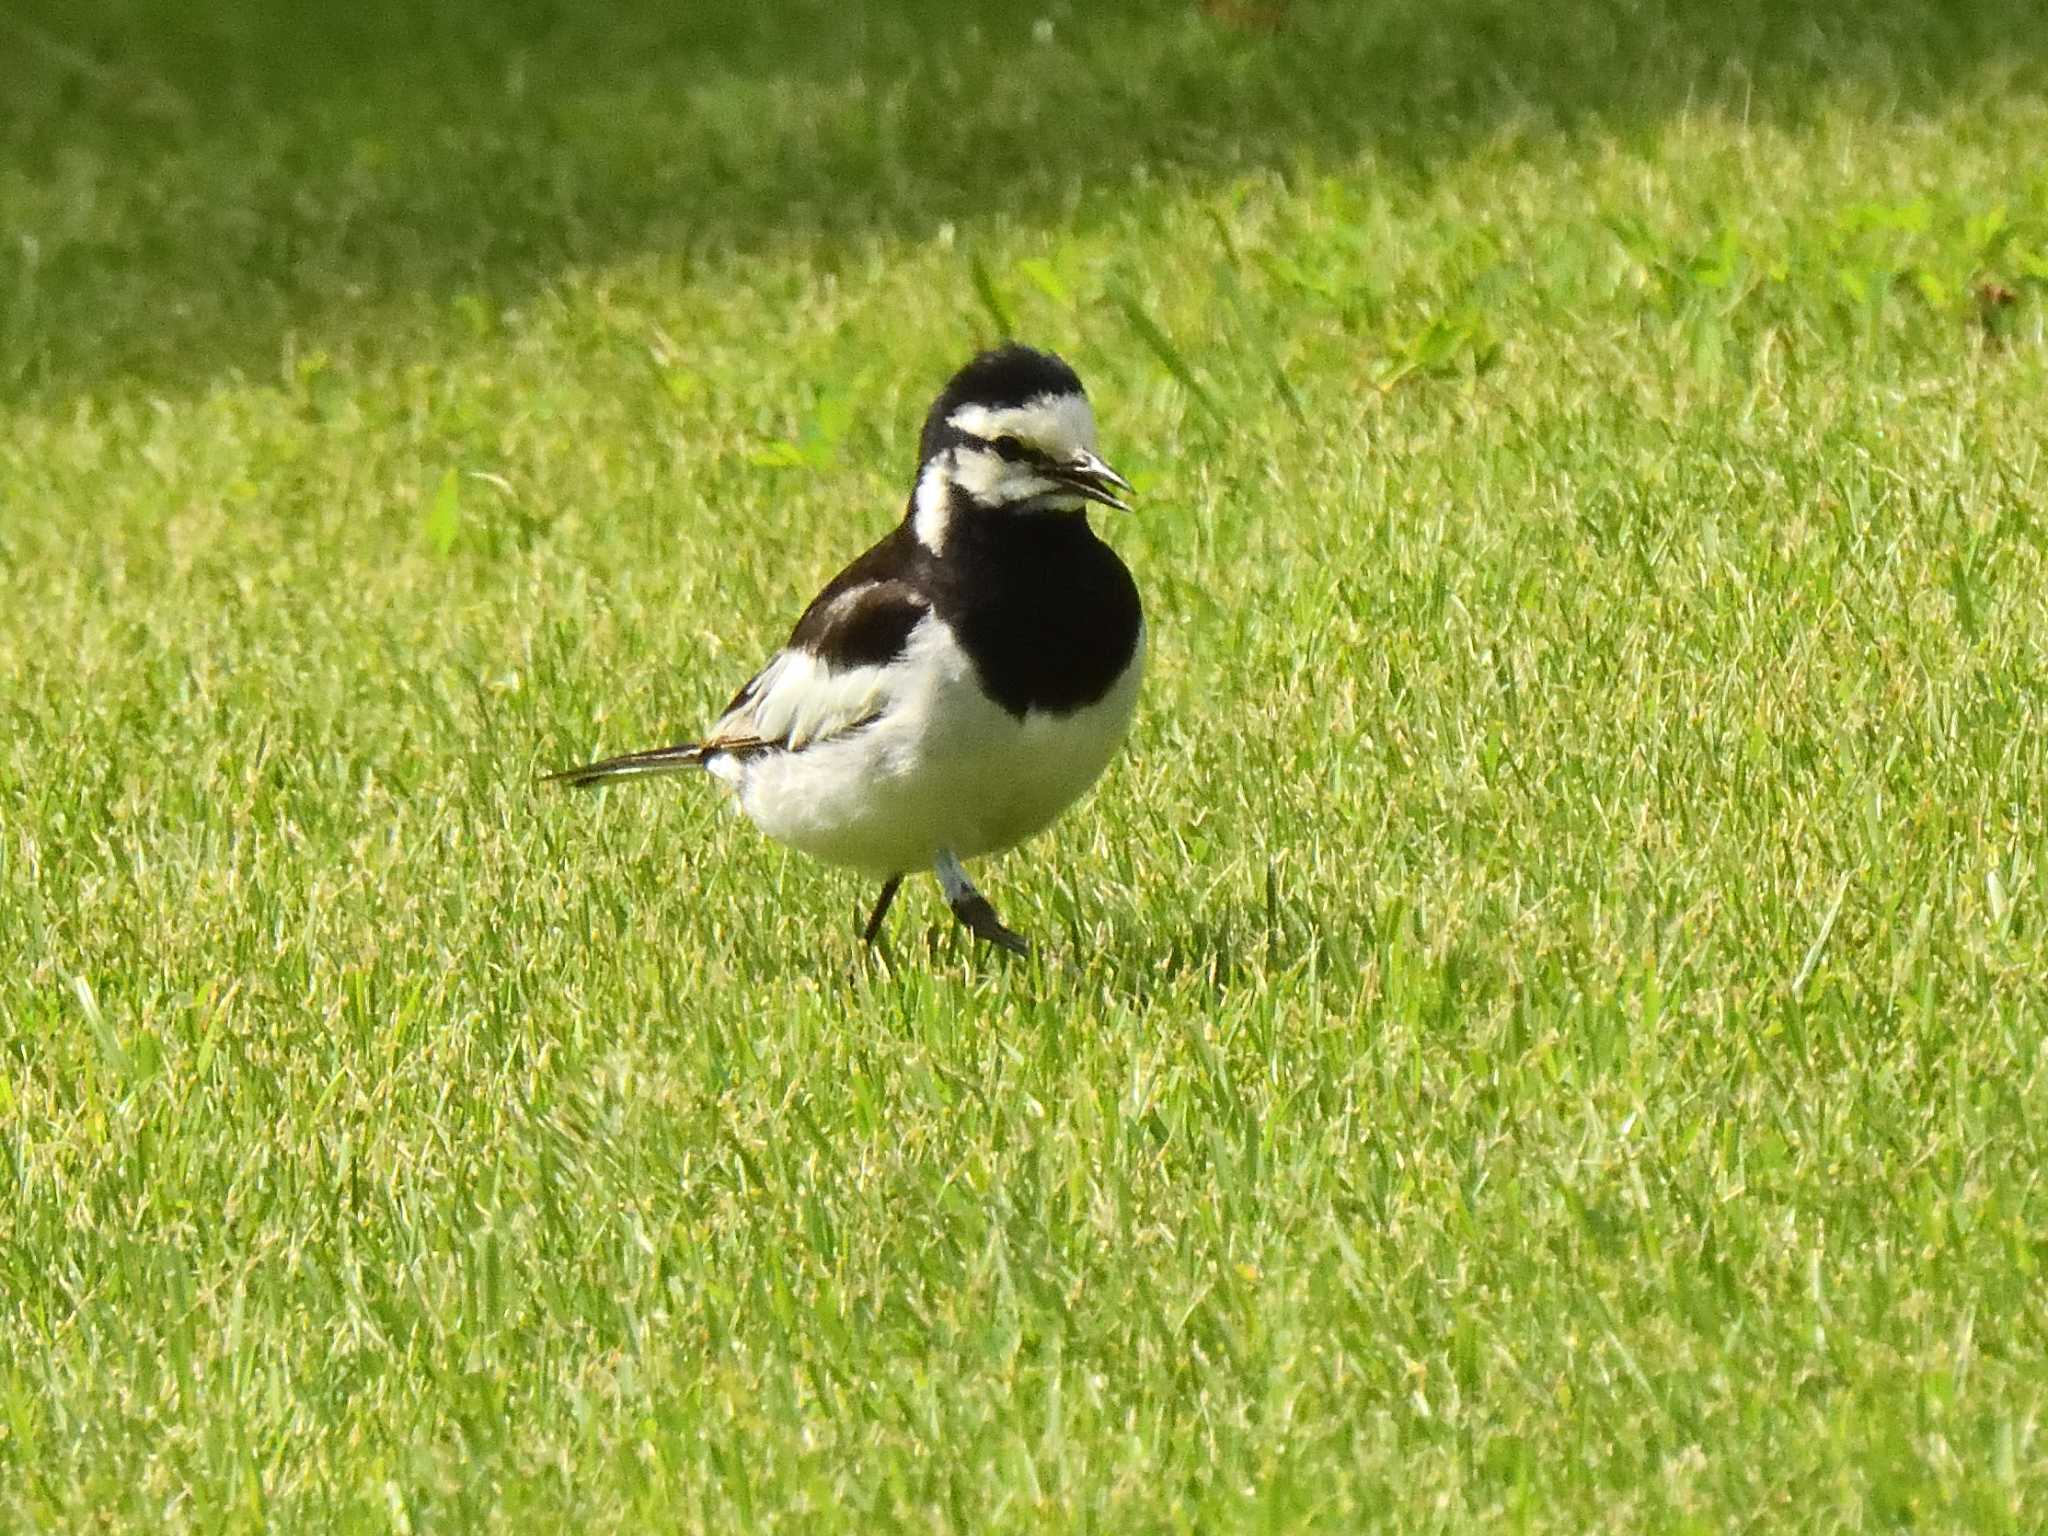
(796, 700)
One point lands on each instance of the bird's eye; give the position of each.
(1010, 447)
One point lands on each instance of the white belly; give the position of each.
(944, 767)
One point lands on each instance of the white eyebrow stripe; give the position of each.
(1059, 424)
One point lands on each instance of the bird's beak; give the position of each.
(1094, 480)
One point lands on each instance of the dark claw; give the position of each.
(980, 919)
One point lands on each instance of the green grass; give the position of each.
(1543, 1030)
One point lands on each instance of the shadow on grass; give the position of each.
(189, 186)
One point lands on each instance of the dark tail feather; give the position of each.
(634, 765)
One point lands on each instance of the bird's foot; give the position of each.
(980, 919)
(972, 908)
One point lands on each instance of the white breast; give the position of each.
(942, 766)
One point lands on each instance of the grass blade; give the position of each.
(1234, 291)
(1163, 348)
(444, 514)
(992, 301)
(1819, 946)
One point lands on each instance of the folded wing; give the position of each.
(835, 675)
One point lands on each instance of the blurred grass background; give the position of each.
(193, 186)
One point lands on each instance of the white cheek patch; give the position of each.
(1061, 425)
(995, 481)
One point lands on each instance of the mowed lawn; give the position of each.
(1543, 1030)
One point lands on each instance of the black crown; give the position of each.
(1002, 376)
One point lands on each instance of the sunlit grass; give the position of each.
(1542, 1030)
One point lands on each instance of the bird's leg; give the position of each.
(972, 908)
(873, 931)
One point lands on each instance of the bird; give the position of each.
(960, 684)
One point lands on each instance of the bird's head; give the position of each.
(1012, 432)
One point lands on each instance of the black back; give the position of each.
(859, 622)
